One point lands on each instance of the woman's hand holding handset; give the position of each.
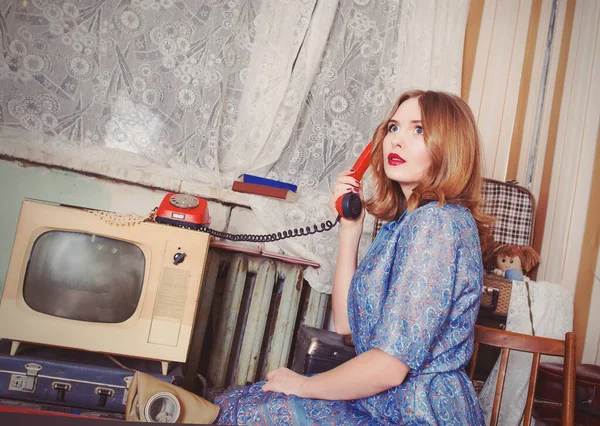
(344, 184)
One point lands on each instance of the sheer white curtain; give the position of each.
(375, 50)
(160, 91)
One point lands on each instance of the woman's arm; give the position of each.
(368, 374)
(344, 270)
(348, 252)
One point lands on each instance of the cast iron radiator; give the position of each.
(249, 310)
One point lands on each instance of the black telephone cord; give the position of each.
(275, 236)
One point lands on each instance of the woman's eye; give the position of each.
(419, 130)
(392, 128)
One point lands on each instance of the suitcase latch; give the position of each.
(128, 380)
(27, 382)
(104, 394)
(60, 389)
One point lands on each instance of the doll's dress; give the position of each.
(415, 295)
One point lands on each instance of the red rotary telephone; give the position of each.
(183, 210)
(349, 205)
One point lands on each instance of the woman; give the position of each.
(412, 303)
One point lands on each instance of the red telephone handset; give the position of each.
(349, 205)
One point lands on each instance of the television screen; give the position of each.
(84, 277)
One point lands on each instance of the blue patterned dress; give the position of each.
(415, 296)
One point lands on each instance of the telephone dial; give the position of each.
(183, 210)
(189, 211)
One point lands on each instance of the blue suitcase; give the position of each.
(73, 378)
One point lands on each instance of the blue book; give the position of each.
(257, 180)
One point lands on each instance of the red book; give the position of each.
(267, 191)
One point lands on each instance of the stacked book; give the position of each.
(251, 184)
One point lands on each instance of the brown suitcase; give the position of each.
(549, 392)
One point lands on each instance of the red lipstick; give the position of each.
(395, 159)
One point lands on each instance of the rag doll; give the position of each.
(511, 261)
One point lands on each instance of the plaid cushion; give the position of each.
(513, 207)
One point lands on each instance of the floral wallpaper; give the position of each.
(167, 91)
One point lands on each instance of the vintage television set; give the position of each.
(91, 280)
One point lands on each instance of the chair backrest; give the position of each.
(508, 341)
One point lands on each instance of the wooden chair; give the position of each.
(508, 341)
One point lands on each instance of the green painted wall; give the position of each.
(18, 182)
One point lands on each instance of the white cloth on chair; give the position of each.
(552, 312)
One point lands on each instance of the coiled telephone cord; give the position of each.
(275, 236)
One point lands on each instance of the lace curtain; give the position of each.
(166, 91)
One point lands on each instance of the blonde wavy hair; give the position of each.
(452, 139)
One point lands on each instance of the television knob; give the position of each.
(178, 258)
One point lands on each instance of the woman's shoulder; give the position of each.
(433, 216)
(448, 219)
(448, 212)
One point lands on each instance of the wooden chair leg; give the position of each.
(499, 386)
(531, 390)
(568, 411)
